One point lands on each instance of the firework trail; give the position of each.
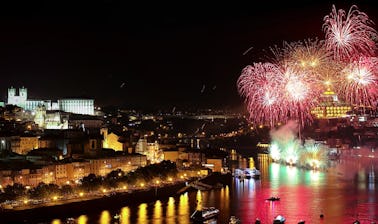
(349, 35)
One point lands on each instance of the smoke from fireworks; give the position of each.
(285, 147)
(348, 35)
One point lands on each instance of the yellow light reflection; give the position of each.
(251, 162)
(56, 221)
(142, 214)
(199, 200)
(82, 219)
(158, 213)
(171, 211)
(183, 209)
(125, 215)
(105, 217)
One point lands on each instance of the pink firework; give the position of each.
(359, 82)
(277, 93)
(311, 57)
(349, 35)
(301, 93)
(260, 85)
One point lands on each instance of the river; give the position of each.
(345, 192)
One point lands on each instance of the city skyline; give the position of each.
(142, 55)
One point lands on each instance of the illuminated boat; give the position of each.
(70, 220)
(247, 173)
(255, 173)
(234, 220)
(279, 219)
(204, 214)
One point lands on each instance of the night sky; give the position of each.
(143, 54)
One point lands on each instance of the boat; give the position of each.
(234, 220)
(206, 213)
(247, 173)
(279, 219)
(70, 220)
(255, 173)
(273, 199)
(301, 222)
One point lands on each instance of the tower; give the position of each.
(20, 99)
(11, 92)
(11, 95)
(23, 93)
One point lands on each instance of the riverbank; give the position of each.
(74, 208)
(77, 208)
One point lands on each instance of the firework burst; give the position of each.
(291, 83)
(301, 93)
(349, 35)
(359, 82)
(259, 84)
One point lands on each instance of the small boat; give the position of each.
(279, 219)
(70, 220)
(205, 214)
(301, 222)
(255, 173)
(273, 199)
(234, 220)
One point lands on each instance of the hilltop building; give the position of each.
(72, 105)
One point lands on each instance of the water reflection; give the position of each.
(344, 193)
(125, 215)
(158, 213)
(183, 210)
(142, 214)
(105, 217)
(199, 200)
(170, 217)
(82, 219)
(56, 221)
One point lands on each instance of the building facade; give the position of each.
(77, 105)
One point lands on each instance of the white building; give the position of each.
(17, 99)
(77, 105)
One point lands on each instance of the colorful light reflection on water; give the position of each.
(343, 193)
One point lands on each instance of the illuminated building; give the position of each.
(111, 140)
(77, 106)
(331, 107)
(51, 119)
(17, 99)
(23, 144)
(74, 105)
(151, 150)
